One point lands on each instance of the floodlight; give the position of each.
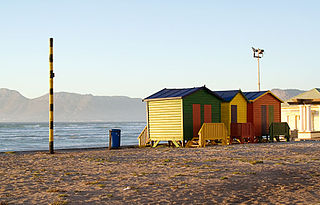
(256, 54)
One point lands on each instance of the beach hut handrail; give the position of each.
(143, 137)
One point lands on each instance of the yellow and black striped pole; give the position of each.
(51, 76)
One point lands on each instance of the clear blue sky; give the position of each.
(136, 48)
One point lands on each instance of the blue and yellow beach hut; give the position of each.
(233, 107)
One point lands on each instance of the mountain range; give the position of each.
(72, 107)
(287, 93)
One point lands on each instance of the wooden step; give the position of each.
(194, 142)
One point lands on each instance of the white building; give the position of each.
(302, 113)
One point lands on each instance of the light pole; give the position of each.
(258, 53)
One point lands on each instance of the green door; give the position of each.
(264, 120)
(271, 114)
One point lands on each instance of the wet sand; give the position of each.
(269, 173)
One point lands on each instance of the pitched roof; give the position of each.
(254, 95)
(228, 95)
(177, 93)
(310, 94)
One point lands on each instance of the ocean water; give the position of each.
(35, 136)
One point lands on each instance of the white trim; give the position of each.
(319, 119)
(308, 118)
(301, 118)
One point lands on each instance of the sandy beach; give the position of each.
(269, 173)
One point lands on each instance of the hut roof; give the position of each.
(177, 93)
(228, 95)
(252, 96)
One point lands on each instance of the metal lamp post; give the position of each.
(258, 53)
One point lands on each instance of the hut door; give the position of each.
(234, 113)
(207, 114)
(264, 120)
(271, 114)
(196, 111)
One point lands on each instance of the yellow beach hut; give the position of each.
(176, 115)
(233, 107)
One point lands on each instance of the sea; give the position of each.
(67, 135)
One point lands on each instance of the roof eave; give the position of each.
(156, 99)
(268, 92)
(244, 96)
(241, 94)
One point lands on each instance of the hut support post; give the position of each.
(156, 143)
(175, 143)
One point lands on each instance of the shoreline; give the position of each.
(70, 149)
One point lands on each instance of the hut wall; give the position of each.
(203, 98)
(241, 103)
(165, 120)
(250, 112)
(267, 100)
(226, 114)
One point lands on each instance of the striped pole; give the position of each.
(51, 76)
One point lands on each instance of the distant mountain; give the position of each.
(70, 107)
(286, 94)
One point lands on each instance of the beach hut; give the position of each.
(263, 108)
(233, 107)
(176, 115)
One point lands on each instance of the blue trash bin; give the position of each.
(115, 138)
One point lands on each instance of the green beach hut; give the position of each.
(177, 115)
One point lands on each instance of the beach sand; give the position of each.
(269, 173)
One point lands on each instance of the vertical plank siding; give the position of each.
(225, 114)
(165, 120)
(267, 100)
(212, 131)
(196, 115)
(264, 120)
(234, 114)
(270, 114)
(207, 114)
(203, 98)
(250, 113)
(241, 104)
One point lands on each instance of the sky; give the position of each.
(137, 47)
